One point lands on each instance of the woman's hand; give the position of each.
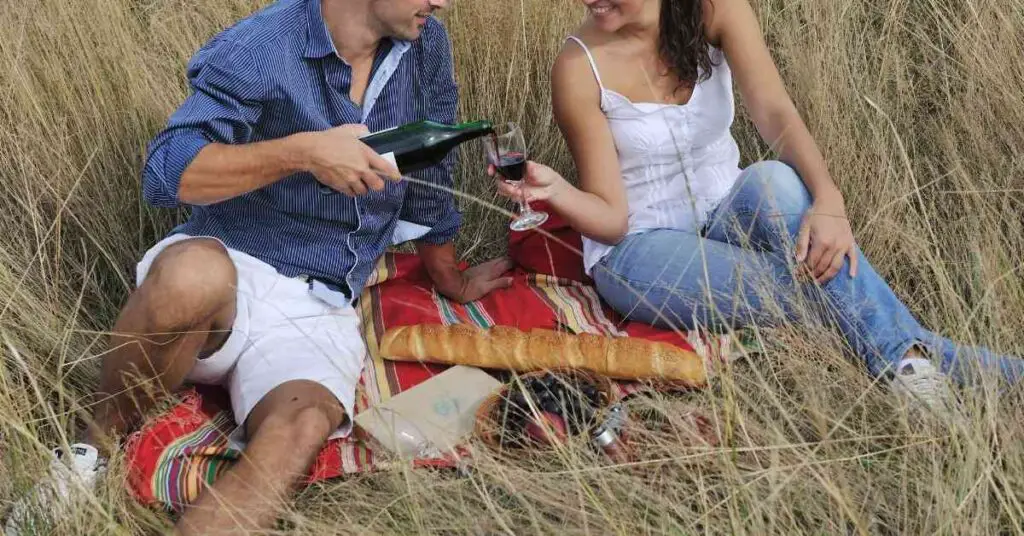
(540, 183)
(825, 239)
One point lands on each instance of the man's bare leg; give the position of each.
(185, 305)
(287, 429)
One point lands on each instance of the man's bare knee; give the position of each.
(313, 425)
(190, 282)
(303, 431)
(303, 410)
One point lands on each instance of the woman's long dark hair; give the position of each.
(682, 41)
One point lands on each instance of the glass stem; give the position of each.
(524, 207)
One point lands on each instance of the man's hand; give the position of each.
(462, 286)
(339, 160)
(825, 240)
(480, 280)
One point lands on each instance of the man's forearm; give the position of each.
(442, 266)
(220, 171)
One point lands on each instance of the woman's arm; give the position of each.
(826, 237)
(598, 208)
(733, 25)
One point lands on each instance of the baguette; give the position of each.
(508, 348)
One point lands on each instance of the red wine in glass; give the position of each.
(507, 152)
(512, 166)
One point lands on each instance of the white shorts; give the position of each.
(281, 333)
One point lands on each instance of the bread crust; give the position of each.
(508, 348)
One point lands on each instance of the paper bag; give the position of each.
(433, 417)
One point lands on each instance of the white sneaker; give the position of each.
(70, 472)
(919, 380)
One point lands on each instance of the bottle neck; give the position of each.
(471, 130)
(477, 127)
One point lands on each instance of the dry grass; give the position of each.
(918, 105)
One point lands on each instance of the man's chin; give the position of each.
(408, 34)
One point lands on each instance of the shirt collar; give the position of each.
(318, 38)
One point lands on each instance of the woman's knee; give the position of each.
(777, 183)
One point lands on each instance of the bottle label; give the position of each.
(390, 157)
(367, 135)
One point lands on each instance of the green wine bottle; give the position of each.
(419, 145)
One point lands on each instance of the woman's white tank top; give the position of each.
(677, 161)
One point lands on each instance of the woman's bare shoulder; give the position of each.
(572, 57)
(719, 15)
(574, 85)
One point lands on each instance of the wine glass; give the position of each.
(506, 151)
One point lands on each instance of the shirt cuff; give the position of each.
(167, 165)
(445, 230)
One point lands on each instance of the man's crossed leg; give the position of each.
(290, 362)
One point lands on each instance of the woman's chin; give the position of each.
(608, 22)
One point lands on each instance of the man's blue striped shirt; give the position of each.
(276, 73)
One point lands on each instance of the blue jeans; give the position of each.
(740, 271)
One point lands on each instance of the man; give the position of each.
(290, 214)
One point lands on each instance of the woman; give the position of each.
(675, 233)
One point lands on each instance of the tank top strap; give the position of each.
(590, 57)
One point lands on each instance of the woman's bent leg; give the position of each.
(678, 279)
(765, 210)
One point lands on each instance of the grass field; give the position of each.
(918, 106)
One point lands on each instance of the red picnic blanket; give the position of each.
(186, 447)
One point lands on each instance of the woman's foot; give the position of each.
(919, 380)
